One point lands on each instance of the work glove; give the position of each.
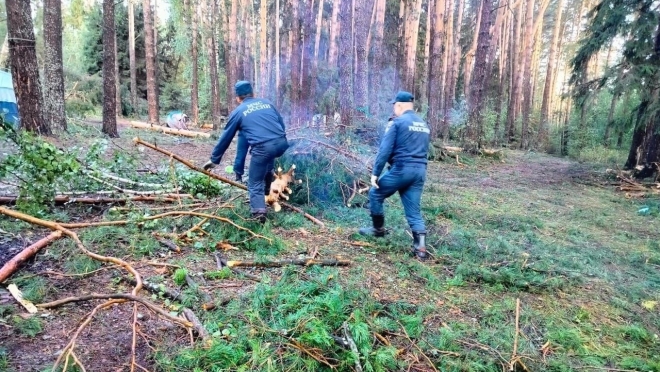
(208, 165)
(374, 180)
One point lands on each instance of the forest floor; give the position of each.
(539, 264)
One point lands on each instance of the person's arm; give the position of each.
(385, 149)
(225, 139)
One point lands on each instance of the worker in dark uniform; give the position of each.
(242, 148)
(404, 145)
(264, 130)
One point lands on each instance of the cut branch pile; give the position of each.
(635, 189)
(219, 178)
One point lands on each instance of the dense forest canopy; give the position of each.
(555, 75)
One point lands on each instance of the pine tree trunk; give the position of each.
(131, 54)
(435, 68)
(308, 84)
(345, 65)
(194, 52)
(469, 55)
(478, 89)
(152, 103)
(411, 35)
(208, 6)
(399, 78)
(295, 65)
(277, 53)
(263, 50)
(378, 30)
(232, 66)
(156, 55)
(423, 93)
(548, 88)
(117, 80)
(335, 26)
(24, 68)
(361, 85)
(516, 76)
(53, 69)
(448, 102)
(109, 85)
(457, 52)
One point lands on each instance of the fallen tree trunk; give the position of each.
(64, 199)
(10, 267)
(280, 263)
(160, 128)
(219, 178)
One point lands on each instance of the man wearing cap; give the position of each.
(263, 128)
(404, 145)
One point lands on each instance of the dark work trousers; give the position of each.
(242, 147)
(409, 181)
(260, 174)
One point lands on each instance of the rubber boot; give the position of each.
(260, 217)
(419, 246)
(378, 229)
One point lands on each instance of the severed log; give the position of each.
(280, 263)
(166, 243)
(188, 164)
(65, 199)
(160, 128)
(10, 267)
(221, 263)
(196, 324)
(18, 295)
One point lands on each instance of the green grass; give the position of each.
(30, 327)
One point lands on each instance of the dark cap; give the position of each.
(403, 96)
(243, 88)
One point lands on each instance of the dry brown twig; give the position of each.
(514, 356)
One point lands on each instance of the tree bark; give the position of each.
(516, 76)
(335, 26)
(346, 65)
(361, 84)
(263, 50)
(470, 54)
(191, 10)
(457, 52)
(117, 80)
(377, 69)
(12, 265)
(131, 54)
(277, 53)
(411, 36)
(548, 88)
(209, 21)
(435, 68)
(449, 40)
(478, 89)
(401, 47)
(152, 103)
(422, 75)
(24, 68)
(295, 62)
(156, 54)
(53, 68)
(109, 78)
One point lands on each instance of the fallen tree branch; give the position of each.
(160, 128)
(196, 324)
(127, 181)
(117, 296)
(162, 215)
(12, 265)
(514, 356)
(166, 243)
(188, 164)
(280, 263)
(134, 192)
(221, 263)
(64, 199)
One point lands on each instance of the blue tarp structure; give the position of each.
(8, 106)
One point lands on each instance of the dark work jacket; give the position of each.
(406, 141)
(258, 121)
